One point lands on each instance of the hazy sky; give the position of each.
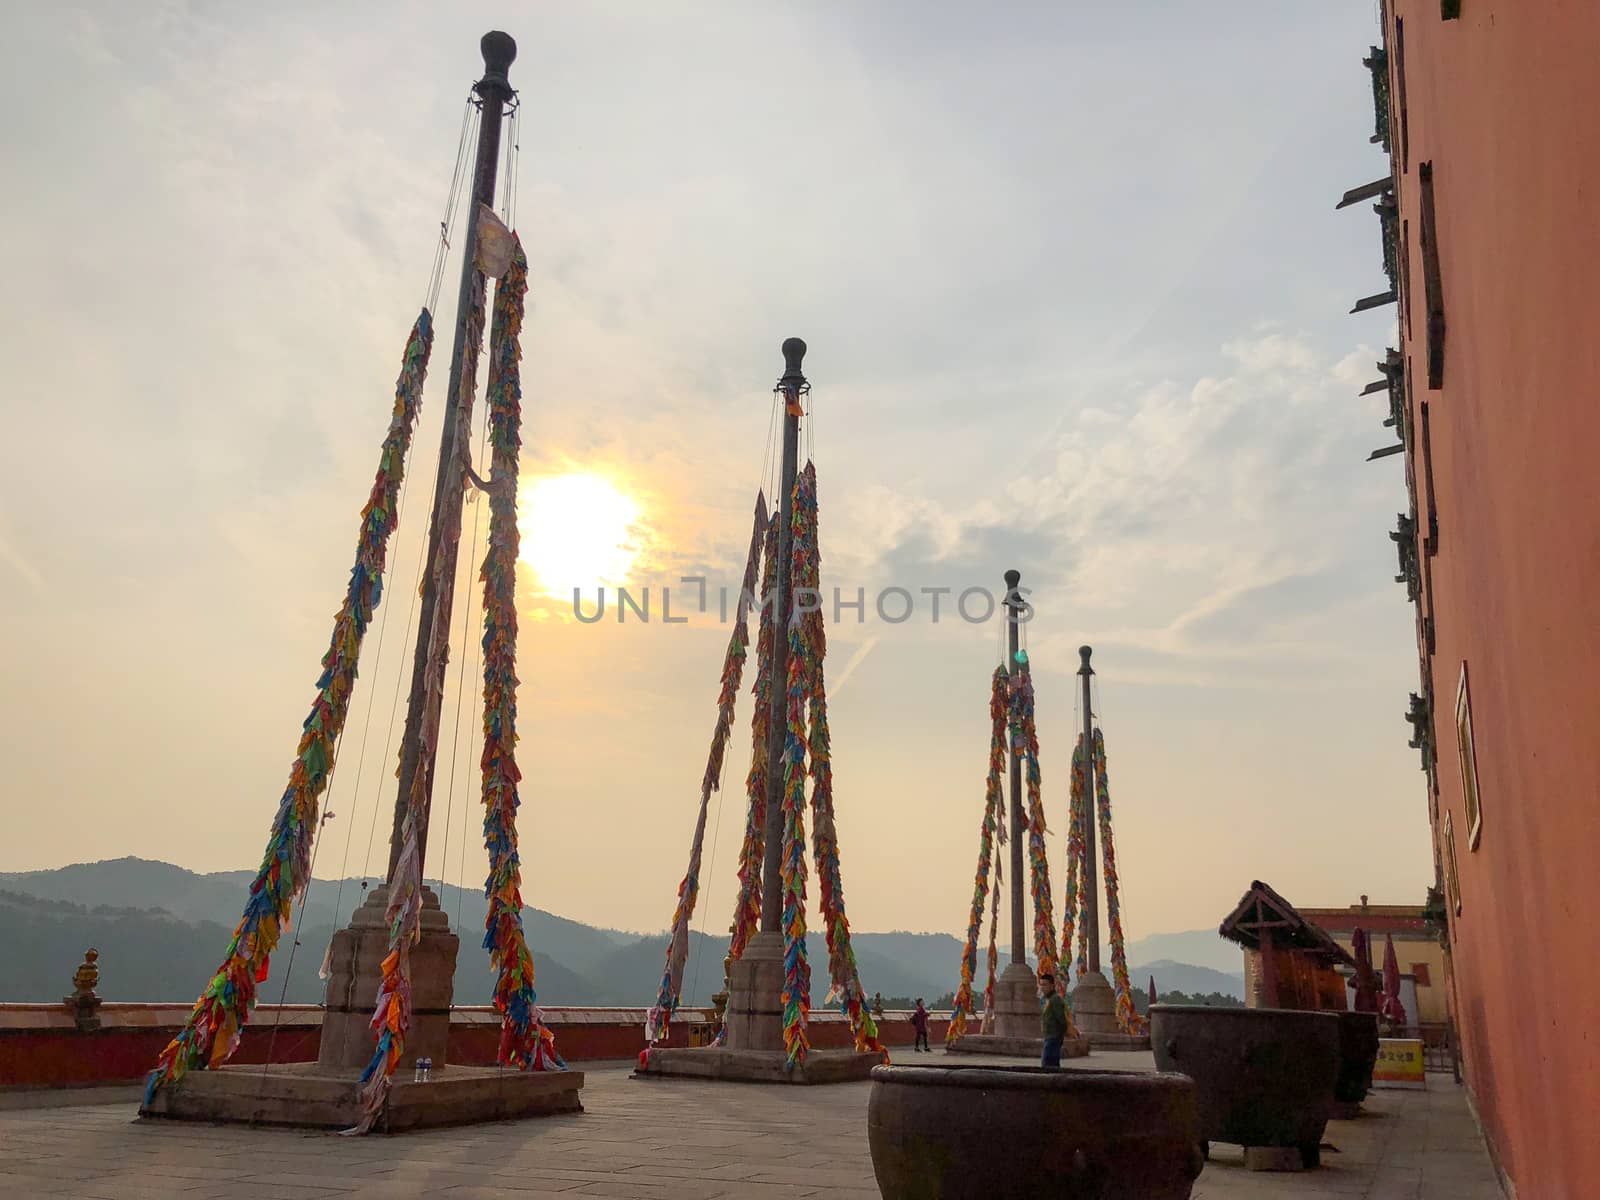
(1075, 292)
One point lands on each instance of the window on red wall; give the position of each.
(1420, 970)
(1432, 285)
(1400, 88)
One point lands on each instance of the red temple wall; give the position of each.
(1505, 104)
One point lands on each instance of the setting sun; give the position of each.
(577, 532)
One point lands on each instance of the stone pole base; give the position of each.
(1016, 1031)
(1016, 1003)
(754, 1019)
(753, 1051)
(326, 1094)
(356, 969)
(1094, 1011)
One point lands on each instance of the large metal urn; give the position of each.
(950, 1133)
(1263, 1076)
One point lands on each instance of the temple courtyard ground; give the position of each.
(660, 1139)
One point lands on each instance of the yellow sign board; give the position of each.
(1399, 1064)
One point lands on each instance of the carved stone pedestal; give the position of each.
(326, 1094)
(754, 1019)
(1016, 1003)
(753, 1051)
(1094, 1011)
(356, 970)
(310, 1096)
(1015, 1030)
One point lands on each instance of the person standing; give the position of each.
(919, 1022)
(1053, 1021)
(877, 1006)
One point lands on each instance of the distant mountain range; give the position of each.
(1185, 977)
(161, 931)
(1201, 947)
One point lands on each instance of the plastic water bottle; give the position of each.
(416, 1071)
(427, 1069)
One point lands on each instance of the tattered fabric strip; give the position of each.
(993, 816)
(747, 905)
(1025, 742)
(994, 933)
(218, 1018)
(796, 970)
(391, 1018)
(843, 973)
(526, 1042)
(1128, 1018)
(671, 989)
(1075, 863)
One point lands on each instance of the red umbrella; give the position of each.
(1393, 1009)
(1366, 998)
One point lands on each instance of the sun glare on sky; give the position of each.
(577, 532)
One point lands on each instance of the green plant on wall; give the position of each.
(1389, 223)
(1436, 915)
(1378, 63)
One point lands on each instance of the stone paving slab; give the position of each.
(664, 1139)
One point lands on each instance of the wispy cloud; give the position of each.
(855, 660)
(12, 557)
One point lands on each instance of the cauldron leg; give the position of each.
(1310, 1155)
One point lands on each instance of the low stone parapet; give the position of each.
(42, 1046)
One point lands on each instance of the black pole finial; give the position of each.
(499, 52)
(1013, 577)
(1084, 652)
(794, 351)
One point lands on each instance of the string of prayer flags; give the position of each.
(391, 1017)
(796, 970)
(671, 989)
(213, 1028)
(526, 1042)
(747, 905)
(993, 817)
(844, 975)
(1128, 1018)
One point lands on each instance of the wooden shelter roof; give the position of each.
(1261, 910)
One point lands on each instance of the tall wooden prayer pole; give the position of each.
(790, 388)
(754, 1048)
(1016, 992)
(358, 951)
(1019, 825)
(444, 534)
(1090, 918)
(1094, 1004)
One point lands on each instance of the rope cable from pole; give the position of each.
(469, 116)
(441, 250)
(764, 467)
(447, 224)
(394, 704)
(711, 874)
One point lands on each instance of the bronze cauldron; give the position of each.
(1263, 1076)
(949, 1133)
